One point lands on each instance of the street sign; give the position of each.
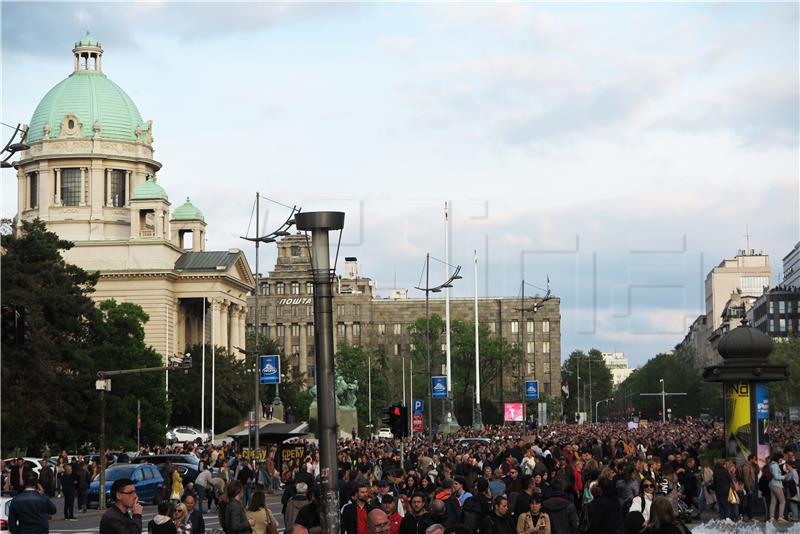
(513, 411)
(417, 422)
(270, 368)
(439, 387)
(419, 407)
(531, 389)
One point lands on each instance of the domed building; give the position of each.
(90, 176)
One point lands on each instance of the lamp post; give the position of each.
(320, 223)
(596, 416)
(428, 290)
(283, 230)
(533, 308)
(663, 402)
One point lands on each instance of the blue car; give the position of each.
(147, 479)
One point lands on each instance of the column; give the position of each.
(82, 201)
(216, 321)
(57, 201)
(287, 343)
(180, 326)
(235, 315)
(108, 187)
(127, 187)
(224, 325)
(242, 329)
(303, 351)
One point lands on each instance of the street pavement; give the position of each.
(89, 522)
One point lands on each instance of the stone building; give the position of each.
(90, 176)
(363, 318)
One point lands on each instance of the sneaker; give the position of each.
(71, 519)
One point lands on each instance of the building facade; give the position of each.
(89, 174)
(362, 318)
(791, 267)
(777, 312)
(747, 274)
(617, 363)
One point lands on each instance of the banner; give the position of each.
(291, 453)
(270, 368)
(419, 407)
(417, 422)
(439, 387)
(737, 419)
(762, 420)
(531, 389)
(513, 412)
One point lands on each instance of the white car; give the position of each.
(385, 433)
(4, 503)
(182, 434)
(35, 464)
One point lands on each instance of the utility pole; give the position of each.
(663, 394)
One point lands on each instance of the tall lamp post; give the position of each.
(533, 308)
(428, 289)
(283, 230)
(320, 223)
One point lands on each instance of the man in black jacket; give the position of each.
(28, 512)
(413, 521)
(68, 489)
(477, 507)
(125, 517)
(355, 512)
(563, 516)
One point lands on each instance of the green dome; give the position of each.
(187, 212)
(88, 40)
(149, 190)
(92, 97)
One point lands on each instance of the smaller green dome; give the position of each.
(149, 190)
(88, 40)
(188, 212)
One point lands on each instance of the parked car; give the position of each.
(35, 464)
(147, 480)
(385, 433)
(4, 503)
(182, 434)
(188, 464)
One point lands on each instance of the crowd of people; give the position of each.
(559, 479)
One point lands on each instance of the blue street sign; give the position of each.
(531, 389)
(270, 368)
(439, 387)
(419, 407)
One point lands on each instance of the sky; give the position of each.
(620, 149)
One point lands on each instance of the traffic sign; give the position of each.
(417, 423)
(270, 368)
(419, 407)
(439, 387)
(531, 389)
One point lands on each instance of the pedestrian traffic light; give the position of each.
(398, 420)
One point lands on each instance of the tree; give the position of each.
(352, 362)
(49, 378)
(598, 381)
(786, 393)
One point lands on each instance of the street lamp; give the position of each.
(283, 230)
(320, 223)
(663, 402)
(428, 290)
(13, 145)
(533, 308)
(596, 415)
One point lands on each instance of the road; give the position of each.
(89, 522)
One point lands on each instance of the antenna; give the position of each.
(747, 237)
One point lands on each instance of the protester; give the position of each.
(29, 510)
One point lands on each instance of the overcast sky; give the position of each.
(622, 148)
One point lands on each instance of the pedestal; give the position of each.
(346, 419)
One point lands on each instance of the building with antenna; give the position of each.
(361, 317)
(89, 174)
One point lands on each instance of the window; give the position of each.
(397, 329)
(356, 329)
(753, 285)
(138, 475)
(772, 307)
(310, 331)
(530, 347)
(514, 326)
(310, 288)
(70, 187)
(295, 330)
(295, 288)
(280, 289)
(295, 250)
(356, 309)
(265, 289)
(546, 347)
(381, 328)
(116, 188)
(279, 332)
(531, 369)
(340, 310)
(309, 311)
(546, 326)
(771, 325)
(279, 310)
(265, 330)
(782, 306)
(33, 194)
(296, 349)
(444, 347)
(546, 367)
(782, 325)
(251, 311)
(397, 349)
(529, 326)
(340, 330)
(263, 311)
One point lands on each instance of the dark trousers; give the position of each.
(82, 500)
(69, 505)
(201, 495)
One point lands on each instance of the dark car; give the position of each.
(188, 465)
(147, 479)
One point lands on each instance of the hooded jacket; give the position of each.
(563, 516)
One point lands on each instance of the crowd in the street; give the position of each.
(559, 479)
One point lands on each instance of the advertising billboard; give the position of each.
(513, 412)
(270, 368)
(737, 419)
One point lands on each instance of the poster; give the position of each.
(762, 420)
(439, 387)
(513, 412)
(737, 419)
(290, 453)
(270, 368)
(531, 389)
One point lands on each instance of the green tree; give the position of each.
(598, 381)
(786, 393)
(48, 394)
(352, 362)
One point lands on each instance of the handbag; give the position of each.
(733, 497)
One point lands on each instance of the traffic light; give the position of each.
(398, 420)
(386, 418)
(404, 420)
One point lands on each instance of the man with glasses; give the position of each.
(125, 517)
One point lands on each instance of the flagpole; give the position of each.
(203, 376)
(449, 402)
